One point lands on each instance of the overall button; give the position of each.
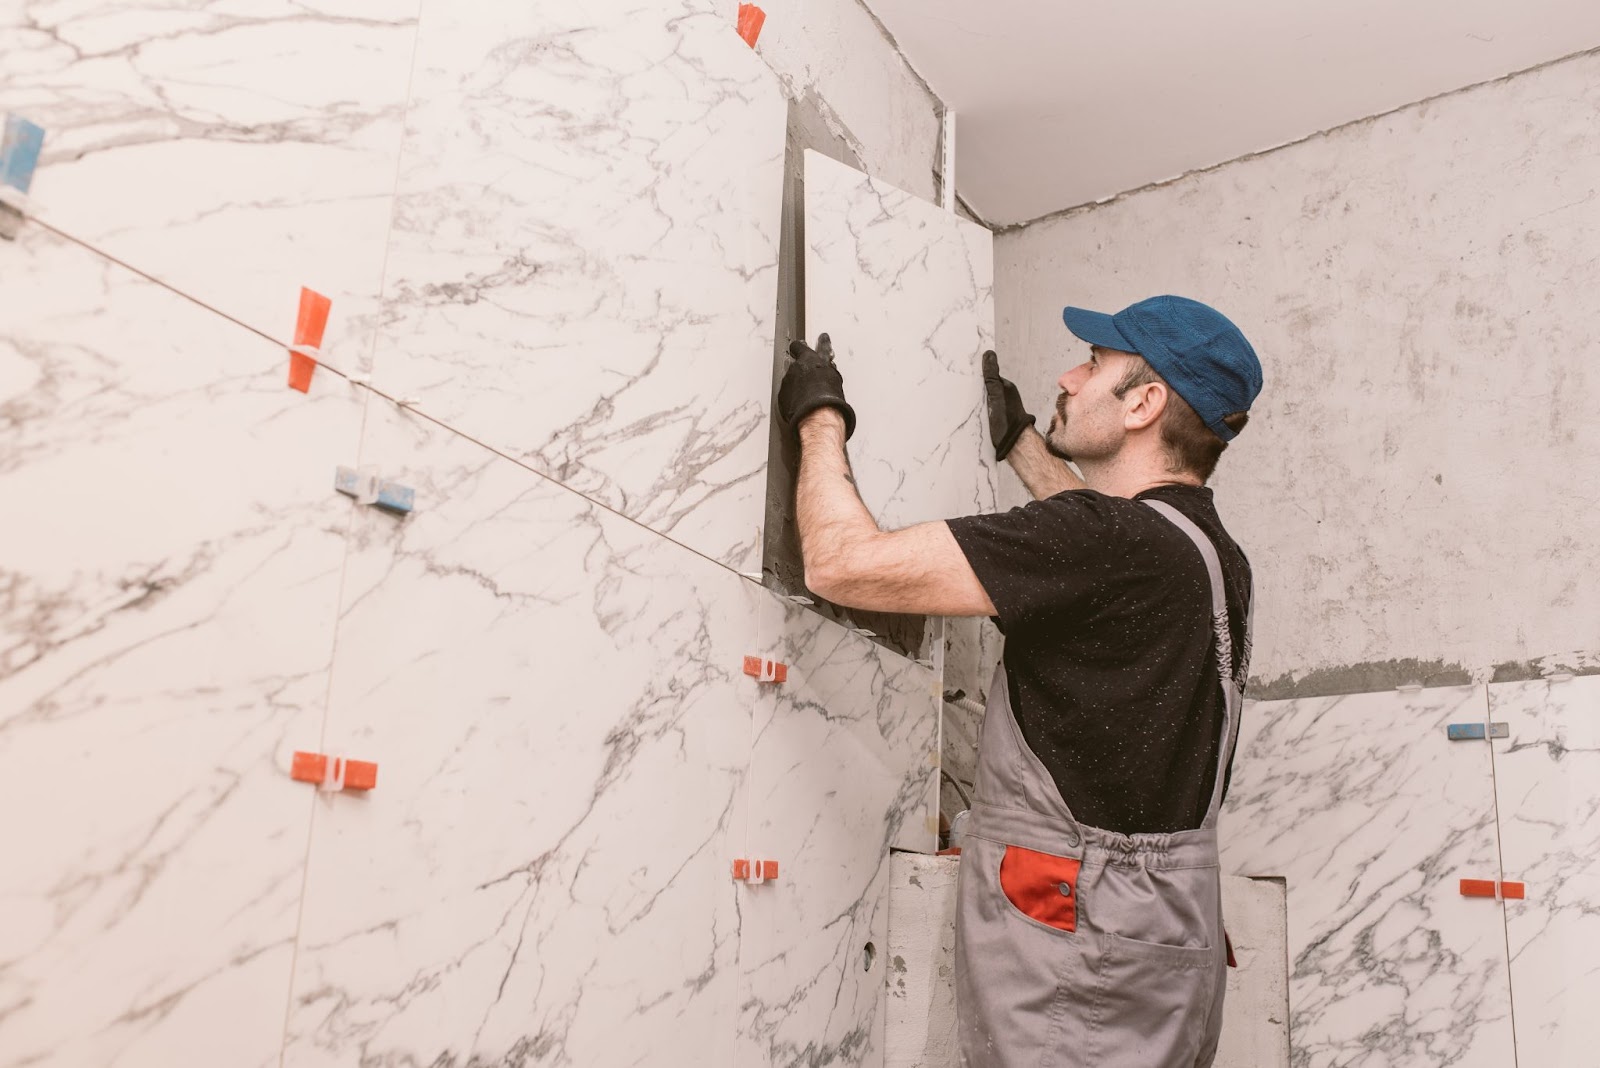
(1066, 889)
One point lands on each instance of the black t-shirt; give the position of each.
(1106, 608)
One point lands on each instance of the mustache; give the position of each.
(1058, 420)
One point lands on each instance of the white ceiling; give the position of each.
(1062, 103)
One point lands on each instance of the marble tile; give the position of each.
(843, 768)
(583, 267)
(1373, 817)
(555, 700)
(170, 560)
(1547, 781)
(906, 292)
(235, 149)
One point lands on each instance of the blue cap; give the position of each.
(1199, 352)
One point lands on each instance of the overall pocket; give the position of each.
(1151, 1002)
(1041, 886)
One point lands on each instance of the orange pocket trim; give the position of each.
(1042, 886)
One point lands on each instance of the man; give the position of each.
(1089, 925)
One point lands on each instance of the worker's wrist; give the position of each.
(822, 426)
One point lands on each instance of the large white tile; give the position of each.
(170, 555)
(235, 149)
(583, 268)
(555, 700)
(1373, 817)
(843, 768)
(1547, 780)
(906, 292)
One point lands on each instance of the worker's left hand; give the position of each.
(811, 382)
(1007, 417)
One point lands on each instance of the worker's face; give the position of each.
(1088, 421)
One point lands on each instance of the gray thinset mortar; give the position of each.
(1378, 675)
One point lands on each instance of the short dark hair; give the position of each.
(1191, 446)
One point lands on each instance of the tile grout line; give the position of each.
(322, 740)
(747, 850)
(344, 564)
(316, 793)
(168, 286)
(1500, 859)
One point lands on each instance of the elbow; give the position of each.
(822, 580)
(827, 575)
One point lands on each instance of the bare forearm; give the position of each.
(828, 507)
(851, 562)
(1043, 473)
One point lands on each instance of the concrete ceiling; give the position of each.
(1063, 103)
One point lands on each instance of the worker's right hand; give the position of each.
(812, 381)
(1007, 418)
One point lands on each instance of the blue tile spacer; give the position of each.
(395, 497)
(19, 152)
(369, 489)
(1467, 732)
(348, 480)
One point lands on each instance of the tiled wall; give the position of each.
(1374, 816)
(1547, 790)
(236, 151)
(171, 556)
(551, 232)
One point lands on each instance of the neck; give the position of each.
(1118, 476)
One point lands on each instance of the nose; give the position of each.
(1069, 382)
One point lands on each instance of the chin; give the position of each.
(1055, 449)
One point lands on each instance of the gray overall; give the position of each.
(1079, 946)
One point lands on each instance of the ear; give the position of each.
(1147, 402)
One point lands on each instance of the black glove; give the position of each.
(1007, 419)
(811, 382)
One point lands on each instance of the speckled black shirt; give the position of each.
(1106, 609)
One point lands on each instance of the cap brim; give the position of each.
(1097, 328)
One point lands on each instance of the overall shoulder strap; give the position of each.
(1232, 693)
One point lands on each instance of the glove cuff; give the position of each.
(837, 404)
(1003, 447)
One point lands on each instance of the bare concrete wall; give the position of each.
(1417, 485)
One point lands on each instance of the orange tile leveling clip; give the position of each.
(308, 329)
(763, 670)
(333, 773)
(751, 19)
(755, 872)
